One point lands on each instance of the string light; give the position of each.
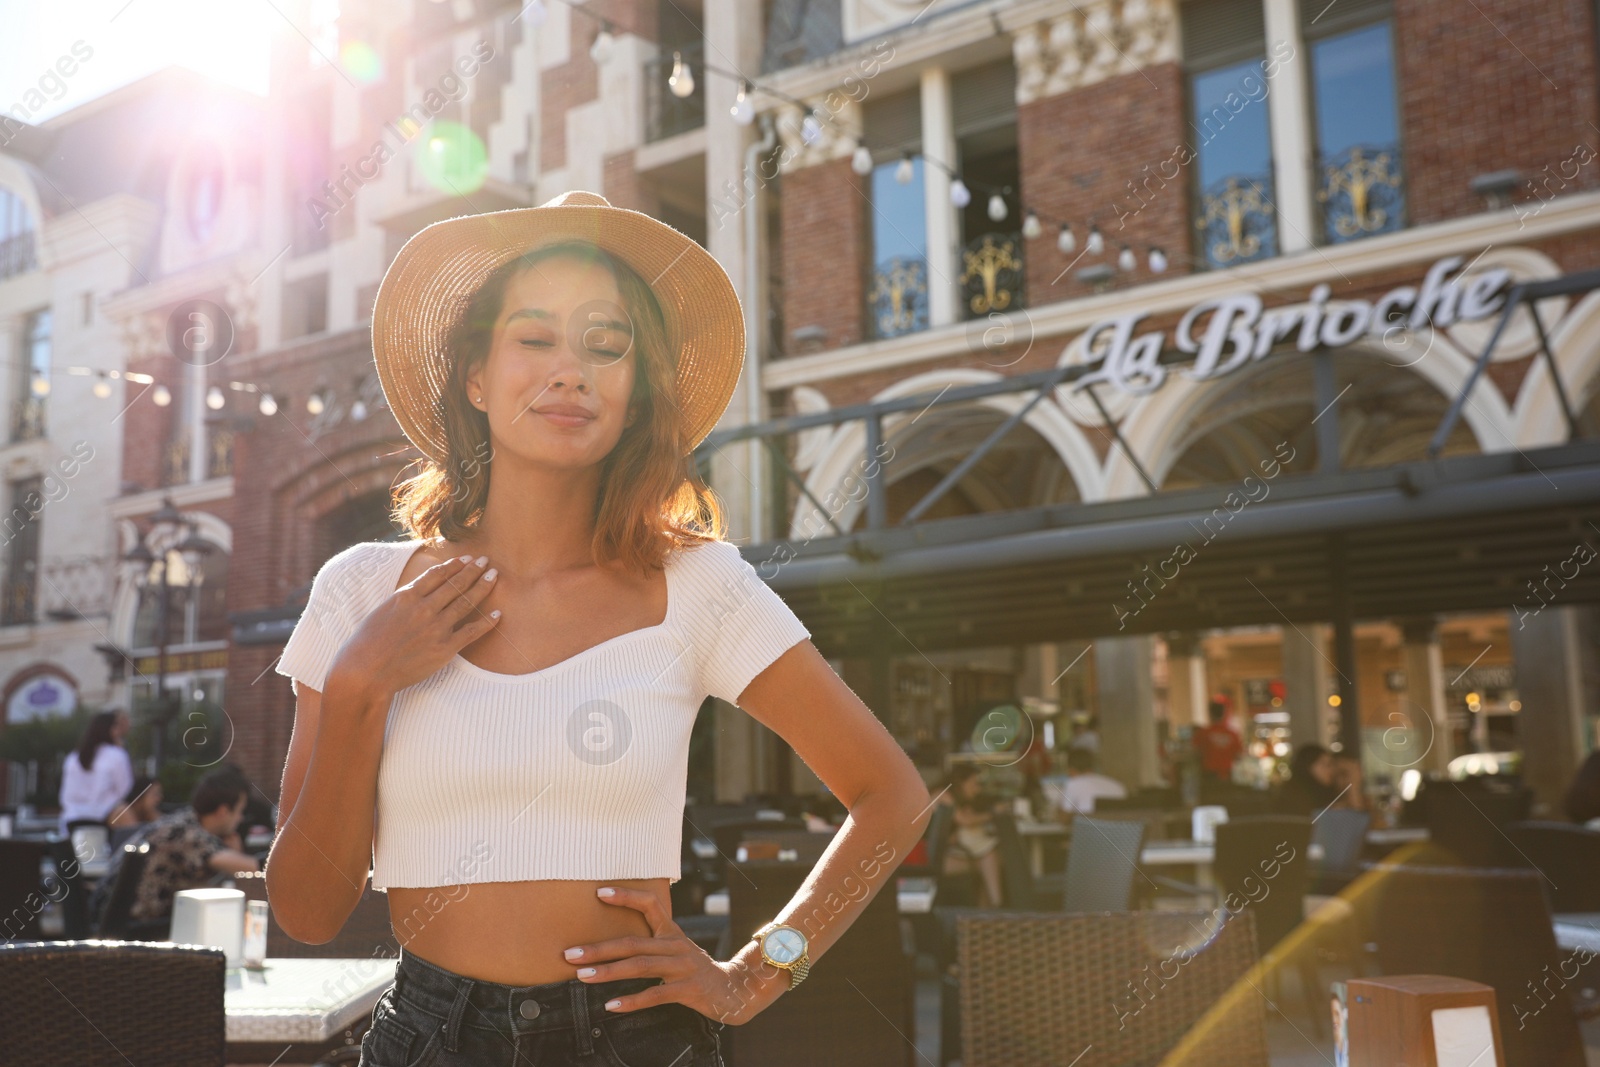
(268, 405)
(1066, 242)
(314, 404)
(743, 111)
(161, 396)
(1158, 261)
(358, 410)
(102, 388)
(1126, 260)
(810, 128)
(905, 171)
(861, 161)
(40, 385)
(960, 195)
(997, 208)
(681, 80)
(215, 400)
(1032, 228)
(1097, 243)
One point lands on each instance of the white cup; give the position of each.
(1205, 820)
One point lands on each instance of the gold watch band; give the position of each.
(798, 970)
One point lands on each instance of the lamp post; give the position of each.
(153, 562)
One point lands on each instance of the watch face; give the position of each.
(784, 945)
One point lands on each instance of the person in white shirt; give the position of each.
(1084, 784)
(98, 773)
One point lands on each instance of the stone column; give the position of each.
(1125, 698)
(939, 143)
(1186, 680)
(1426, 716)
(1306, 670)
(1289, 116)
(1553, 650)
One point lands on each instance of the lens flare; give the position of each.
(452, 159)
(360, 61)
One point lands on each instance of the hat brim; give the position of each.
(428, 286)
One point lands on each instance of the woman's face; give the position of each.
(120, 725)
(558, 377)
(1322, 769)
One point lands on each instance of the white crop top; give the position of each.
(576, 771)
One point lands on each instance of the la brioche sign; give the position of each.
(1230, 331)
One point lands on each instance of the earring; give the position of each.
(477, 400)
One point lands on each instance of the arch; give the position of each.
(125, 601)
(1158, 427)
(845, 451)
(1575, 341)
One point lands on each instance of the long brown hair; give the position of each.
(651, 498)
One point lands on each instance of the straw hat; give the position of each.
(427, 287)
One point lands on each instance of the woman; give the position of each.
(1311, 787)
(98, 773)
(496, 713)
(974, 842)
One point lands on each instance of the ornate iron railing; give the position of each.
(1361, 192)
(18, 255)
(1236, 220)
(898, 297)
(667, 115)
(219, 463)
(17, 607)
(175, 462)
(991, 273)
(27, 418)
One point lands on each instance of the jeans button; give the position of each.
(529, 1009)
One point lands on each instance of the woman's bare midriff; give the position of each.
(514, 933)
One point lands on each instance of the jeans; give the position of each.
(431, 1017)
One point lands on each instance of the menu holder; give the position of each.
(213, 917)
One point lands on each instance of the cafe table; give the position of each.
(293, 1010)
(1578, 930)
(913, 896)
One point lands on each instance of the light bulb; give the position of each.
(997, 208)
(960, 195)
(268, 405)
(314, 404)
(358, 410)
(681, 80)
(1097, 243)
(905, 172)
(1126, 260)
(600, 50)
(215, 400)
(743, 111)
(1065, 241)
(1031, 227)
(810, 128)
(40, 385)
(102, 388)
(861, 161)
(1158, 261)
(161, 396)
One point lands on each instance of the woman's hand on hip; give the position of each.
(420, 626)
(732, 992)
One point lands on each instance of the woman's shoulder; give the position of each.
(358, 567)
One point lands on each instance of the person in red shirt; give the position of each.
(1217, 744)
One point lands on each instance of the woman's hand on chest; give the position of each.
(420, 627)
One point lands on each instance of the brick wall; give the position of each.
(1493, 85)
(626, 187)
(1107, 152)
(577, 81)
(823, 211)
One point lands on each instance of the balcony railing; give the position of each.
(27, 418)
(1236, 221)
(991, 274)
(219, 462)
(667, 115)
(17, 607)
(17, 255)
(898, 297)
(1361, 192)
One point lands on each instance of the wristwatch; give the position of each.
(786, 949)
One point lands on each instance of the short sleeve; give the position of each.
(322, 629)
(741, 624)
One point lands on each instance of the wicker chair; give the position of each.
(1342, 835)
(1569, 858)
(366, 934)
(111, 1003)
(1101, 864)
(1123, 989)
(1490, 926)
(1466, 822)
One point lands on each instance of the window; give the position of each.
(194, 614)
(897, 290)
(984, 106)
(16, 236)
(21, 529)
(1357, 125)
(305, 306)
(33, 386)
(1235, 218)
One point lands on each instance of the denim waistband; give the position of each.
(509, 1009)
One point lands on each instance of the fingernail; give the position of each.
(466, 559)
(573, 953)
(585, 972)
(608, 892)
(495, 614)
(489, 574)
(481, 560)
(613, 1005)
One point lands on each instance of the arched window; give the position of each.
(193, 615)
(16, 235)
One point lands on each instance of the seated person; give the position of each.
(1084, 784)
(974, 842)
(194, 847)
(1347, 779)
(140, 808)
